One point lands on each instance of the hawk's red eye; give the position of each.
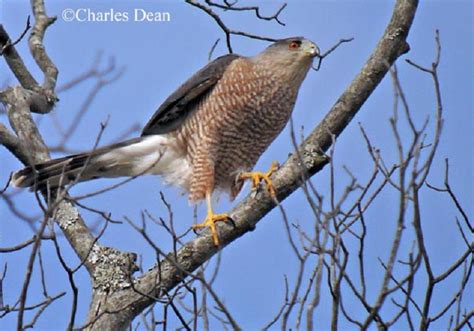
(294, 45)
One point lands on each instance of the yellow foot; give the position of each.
(258, 176)
(210, 222)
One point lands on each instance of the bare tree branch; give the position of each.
(229, 32)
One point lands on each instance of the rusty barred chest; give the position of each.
(235, 124)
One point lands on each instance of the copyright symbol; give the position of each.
(68, 15)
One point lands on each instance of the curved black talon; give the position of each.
(232, 222)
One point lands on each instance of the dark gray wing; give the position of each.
(181, 102)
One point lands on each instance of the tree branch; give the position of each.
(42, 22)
(15, 62)
(30, 148)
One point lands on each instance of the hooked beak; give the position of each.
(311, 49)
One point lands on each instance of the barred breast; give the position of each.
(234, 125)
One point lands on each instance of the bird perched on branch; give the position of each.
(208, 134)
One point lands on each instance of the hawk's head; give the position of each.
(291, 56)
(295, 47)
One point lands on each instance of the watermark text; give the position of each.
(113, 15)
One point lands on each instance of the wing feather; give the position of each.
(177, 107)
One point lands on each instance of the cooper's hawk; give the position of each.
(207, 135)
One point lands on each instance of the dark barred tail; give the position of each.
(133, 157)
(109, 161)
(57, 172)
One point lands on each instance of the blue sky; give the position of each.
(159, 56)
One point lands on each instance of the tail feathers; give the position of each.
(111, 161)
(57, 172)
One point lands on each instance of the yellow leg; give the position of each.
(258, 176)
(211, 219)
